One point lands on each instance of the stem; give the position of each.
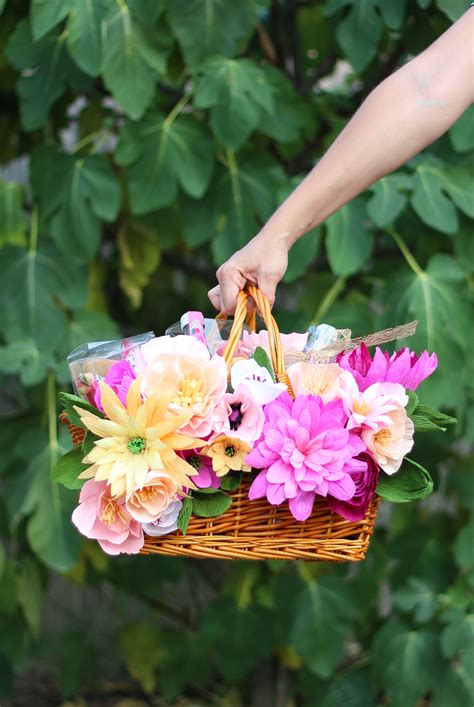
(52, 424)
(173, 114)
(329, 298)
(406, 252)
(85, 141)
(34, 231)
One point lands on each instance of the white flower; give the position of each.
(257, 379)
(166, 523)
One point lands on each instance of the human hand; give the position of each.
(261, 262)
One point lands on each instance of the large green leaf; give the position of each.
(208, 27)
(161, 153)
(405, 661)
(429, 200)
(242, 196)
(31, 593)
(388, 201)
(12, 218)
(359, 33)
(452, 8)
(411, 483)
(45, 65)
(348, 241)
(236, 90)
(46, 14)
(50, 531)
(84, 33)
(131, 61)
(76, 194)
(320, 611)
(462, 132)
(142, 648)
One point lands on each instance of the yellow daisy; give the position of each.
(227, 454)
(135, 438)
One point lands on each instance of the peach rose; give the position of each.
(146, 504)
(390, 444)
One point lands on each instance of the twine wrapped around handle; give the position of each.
(262, 307)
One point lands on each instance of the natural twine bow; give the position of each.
(344, 343)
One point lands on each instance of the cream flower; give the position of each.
(315, 379)
(369, 408)
(390, 444)
(147, 503)
(135, 438)
(228, 454)
(194, 386)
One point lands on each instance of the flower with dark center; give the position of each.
(235, 417)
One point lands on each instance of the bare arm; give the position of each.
(405, 113)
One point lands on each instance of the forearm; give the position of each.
(404, 114)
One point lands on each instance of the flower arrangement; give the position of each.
(168, 433)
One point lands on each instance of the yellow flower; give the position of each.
(227, 454)
(135, 438)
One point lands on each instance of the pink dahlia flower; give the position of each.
(404, 366)
(303, 452)
(365, 473)
(101, 517)
(120, 377)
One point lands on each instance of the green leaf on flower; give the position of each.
(68, 468)
(261, 357)
(412, 402)
(348, 241)
(411, 483)
(206, 20)
(88, 442)
(427, 418)
(70, 401)
(210, 505)
(76, 194)
(231, 481)
(160, 154)
(236, 90)
(185, 515)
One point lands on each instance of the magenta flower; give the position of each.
(102, 517)
(120, 377)
(365, 473)
(206, 476)
(304, 451)
(403, 366)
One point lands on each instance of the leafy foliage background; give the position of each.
(143, 141)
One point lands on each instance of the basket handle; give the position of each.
(262, 306)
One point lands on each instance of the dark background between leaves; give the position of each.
(142, 143)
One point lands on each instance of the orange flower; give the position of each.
(228, 454)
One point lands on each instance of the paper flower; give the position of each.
(365, 473)
(102, 517)
(120, 377)
(240, 416)
(369, 409)
(303, 451)
(205, 477)
(135, 438)
(257, 379)
(167, 522)
(391, 443)
(195, 386)
(228, 454)
(146, 504)
(252, 341)
(404, 366)
(315, 379)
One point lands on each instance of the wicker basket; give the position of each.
(255, 530)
